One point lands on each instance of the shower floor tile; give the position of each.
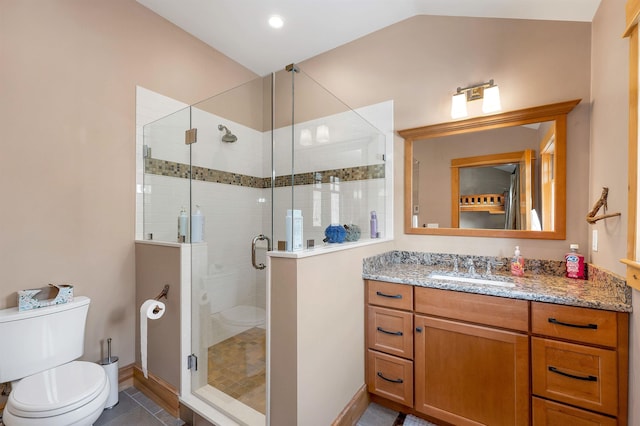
(236, 366)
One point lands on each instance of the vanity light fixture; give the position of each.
(488, 92)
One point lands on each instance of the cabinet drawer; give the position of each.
(548, 413)
(390, 331)
(573, 323)
(390, 377)
(398, 296)
(489, 310)
(578, 375)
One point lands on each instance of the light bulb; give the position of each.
(491, 101)
(459, 105)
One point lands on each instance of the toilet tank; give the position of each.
(39, 339)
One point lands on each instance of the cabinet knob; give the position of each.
(419, 329)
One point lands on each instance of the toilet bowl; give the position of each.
(73, 394)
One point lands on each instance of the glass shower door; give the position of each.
(230, 206)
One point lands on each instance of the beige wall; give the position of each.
(610, 112)
(157, 265)
(67, 134)
(421, 61)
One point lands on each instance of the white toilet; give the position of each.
(228, 316)
(49, 388)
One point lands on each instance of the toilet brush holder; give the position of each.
(110, 365)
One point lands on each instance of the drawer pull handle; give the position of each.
(395, 333)
(562, 373)
(390, 296)
(566, 324)
(389, 380)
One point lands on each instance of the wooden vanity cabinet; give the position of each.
(580, 359)
(467, 370)
(471, 359)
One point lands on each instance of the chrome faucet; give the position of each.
(494, 264)
(472, 267)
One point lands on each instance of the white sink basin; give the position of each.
(470, 280)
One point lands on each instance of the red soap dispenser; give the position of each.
(517, 263)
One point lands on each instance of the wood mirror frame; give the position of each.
(552, 112)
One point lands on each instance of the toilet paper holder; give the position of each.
(163, 293)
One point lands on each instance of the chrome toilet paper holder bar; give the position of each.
(163, 293)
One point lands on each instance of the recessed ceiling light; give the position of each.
(276, 21)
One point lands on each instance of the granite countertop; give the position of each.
(543, 280)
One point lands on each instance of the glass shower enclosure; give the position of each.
(222, 176)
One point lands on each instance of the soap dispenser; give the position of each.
(517, 263)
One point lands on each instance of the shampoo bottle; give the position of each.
(197, 226)
(374, 224)
(574, 263)
(517, 263)
(293, 223)
(183, 224)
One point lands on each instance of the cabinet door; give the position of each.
(471, 375)
(576, 374)
(390, 377)
(548, 413)
(390, 331)
(390, 295)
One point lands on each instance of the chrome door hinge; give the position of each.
(192, 362)
(191, 136)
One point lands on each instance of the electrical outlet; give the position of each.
(594, 240)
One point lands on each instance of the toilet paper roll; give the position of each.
(150, 310)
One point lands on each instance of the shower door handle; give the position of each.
(260, 237)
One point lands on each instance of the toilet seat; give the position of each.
(69, 393)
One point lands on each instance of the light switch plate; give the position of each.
(594, 240)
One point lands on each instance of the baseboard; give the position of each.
(354, 409)
(125, 377)
(159, 391)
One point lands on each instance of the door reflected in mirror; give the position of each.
(495, 191)
(501, 175)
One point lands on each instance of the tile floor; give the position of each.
(236, 366)
(134, 408)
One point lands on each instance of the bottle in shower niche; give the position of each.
(574, 263)
(197, 226)
(517, 263)
(293, 224)
(183, 225)
(374, 224)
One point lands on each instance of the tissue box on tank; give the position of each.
(45, 296)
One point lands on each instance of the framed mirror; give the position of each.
(502, 175)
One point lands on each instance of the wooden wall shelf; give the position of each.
(491, 203)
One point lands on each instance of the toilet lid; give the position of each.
(57, 391)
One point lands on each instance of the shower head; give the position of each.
(228, 136)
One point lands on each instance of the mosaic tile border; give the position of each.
(180, 170)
